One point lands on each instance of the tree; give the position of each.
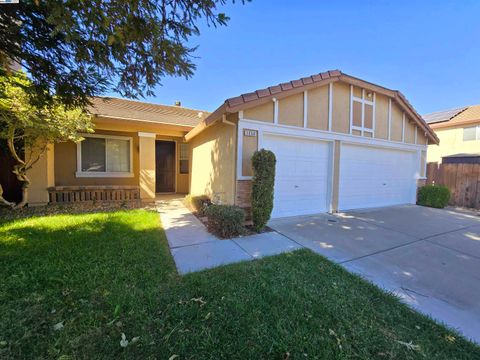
(29, 128)
(74, 50)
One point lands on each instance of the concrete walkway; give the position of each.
(193, 248)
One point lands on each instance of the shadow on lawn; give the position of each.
(79, 271)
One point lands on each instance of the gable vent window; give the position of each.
(362, 112)
(471, 133)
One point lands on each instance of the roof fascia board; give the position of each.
(141, 120)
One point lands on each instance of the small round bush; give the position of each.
(226, 221)
(263, 163)
(436, 196)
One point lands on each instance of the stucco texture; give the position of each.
(451, 142)
(213, 155)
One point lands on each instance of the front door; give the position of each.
(165, 166)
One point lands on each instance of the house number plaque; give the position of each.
(248, 132)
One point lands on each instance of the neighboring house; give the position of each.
(340, 142)
(458, 131)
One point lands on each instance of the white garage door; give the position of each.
(373, 177)
(302, 174)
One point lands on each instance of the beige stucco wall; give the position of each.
(409, 131)
(381, 116)
(290, 110)
(421, 138)
(451, 142)
(249, 146)
(146, 149)
(317, 110)
(397, 123)
(262, 112)
(66, 164)
(213, 162)
(42, 176)
(341, 108)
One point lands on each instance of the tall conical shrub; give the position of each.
(263, 163)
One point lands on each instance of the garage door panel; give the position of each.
(301, 180)
(373, 177)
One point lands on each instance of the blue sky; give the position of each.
(429, 50)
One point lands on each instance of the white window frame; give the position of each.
(103, 174)
(364, 102)
(477, 133)
(180, 157)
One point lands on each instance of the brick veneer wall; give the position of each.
(244, 193)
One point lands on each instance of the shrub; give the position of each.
(436, 196)
(198, 203)
(263, 163)
(226, 221)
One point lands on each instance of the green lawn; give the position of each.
(101, 275)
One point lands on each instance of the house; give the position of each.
(136, 151)
(458, 131)
(340, 142)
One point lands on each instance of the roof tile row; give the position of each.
(272, 90)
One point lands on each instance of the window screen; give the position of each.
(184, 159)
(93, 155)
(105, 155)
(470, 133)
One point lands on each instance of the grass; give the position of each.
(95, 276)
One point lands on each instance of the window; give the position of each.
(471, 133)
(103, 155)
(362, 111)
(184, 159)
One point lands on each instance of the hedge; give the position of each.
(436, 196)
(263, 163)
(226, 221)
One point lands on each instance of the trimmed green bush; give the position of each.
(263, 163)
(198, 203)
(436, 196)
(226, 221)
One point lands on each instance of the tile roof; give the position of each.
(141, 111)
(257, 97)
(444, 115)
(272, 90)
(471, 113)
(468, 115)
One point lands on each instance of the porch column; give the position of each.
(146, 149)
(42, 176)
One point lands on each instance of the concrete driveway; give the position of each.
(428, 257)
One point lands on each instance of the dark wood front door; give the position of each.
(165, 166)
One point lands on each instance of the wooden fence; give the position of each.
(463, 180)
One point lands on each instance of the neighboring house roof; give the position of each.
(141, 111)
(443, 115)
(262, 96)
(469, 115)
(461, 159)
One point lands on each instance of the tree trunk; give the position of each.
(21, 173)
(3, 200)
(23, 202)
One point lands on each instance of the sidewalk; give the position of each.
(193, 248)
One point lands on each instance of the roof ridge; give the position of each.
(149, 103)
